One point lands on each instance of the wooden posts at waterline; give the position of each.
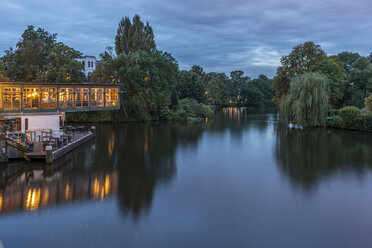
(48, 154)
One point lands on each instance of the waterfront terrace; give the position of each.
(35, 97)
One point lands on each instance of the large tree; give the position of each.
(189, 85)
(307, 101)
(133, 36)
(337, 79)
(146, 81)
(264, 84)
(236, 84)
(360, 82)
(301, 58)
(39, 57)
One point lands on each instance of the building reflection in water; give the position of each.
(33, 189)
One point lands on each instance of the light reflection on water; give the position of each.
(235, 180)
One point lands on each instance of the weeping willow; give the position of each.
(307, 101)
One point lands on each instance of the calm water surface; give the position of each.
(236, 180)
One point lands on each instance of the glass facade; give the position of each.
(66, 98)
(97, 98)
(49, 98)
(112, 97)
(12, 98)
(31, 98)
(39, 97)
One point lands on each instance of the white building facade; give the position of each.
(89, 63)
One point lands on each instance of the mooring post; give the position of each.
(48, 154)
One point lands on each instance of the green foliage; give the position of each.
(197, 109)
(368, 102)
(361, 82)
(147, 80)
(301, 58)
(39, 57)
(3, 75)
(103, 72)
(307, 101)
(253, 97)
(133, 36)
(335, 121)
(237, 83)
(337, 78)
(350, 116)
(265, 85)
(216, 90)
(174, 97)
(348, 59)
(189, 85)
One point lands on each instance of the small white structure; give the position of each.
(36, 121)
(89, 63)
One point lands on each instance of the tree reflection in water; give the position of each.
(310, 155)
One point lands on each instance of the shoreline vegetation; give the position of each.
(307, 86)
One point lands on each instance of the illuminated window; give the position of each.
(31, 98)
(112, 97)
(49, 98)
(81, 97)
(12, 98)
(96, 97)
(66, 98)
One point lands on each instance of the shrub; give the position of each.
(351, 117)
(368, 102)
(335, 121)
(197, 109)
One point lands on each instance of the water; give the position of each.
(235, 180)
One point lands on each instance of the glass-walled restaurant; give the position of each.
(39, 97)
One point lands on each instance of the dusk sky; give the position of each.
(218, 35)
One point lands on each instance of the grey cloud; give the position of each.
(218, 35)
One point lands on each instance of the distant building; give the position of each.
(89, 63)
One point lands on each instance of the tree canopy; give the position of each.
(133, 36)
(299, 61)
(337, 79)
(39, 57)
(307, 101)
(147, 80)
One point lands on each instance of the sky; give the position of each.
(220, 35)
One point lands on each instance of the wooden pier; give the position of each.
(49, 153)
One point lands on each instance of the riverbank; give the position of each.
(350, 118)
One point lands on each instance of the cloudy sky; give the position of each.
(221, 35)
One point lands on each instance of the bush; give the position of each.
(197, 109)
(335, 121)
(351, 117)
(366, 123)
(368, 102)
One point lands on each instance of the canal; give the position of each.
(238, 179)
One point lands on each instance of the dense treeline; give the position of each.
(151, 84)
(309, 84)
(306, 86)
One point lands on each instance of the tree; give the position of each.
(368, 102)
(103, 72)
(252, 96)
(237, 83)
(216, 91)
(189, 85)
(307, 101)
(301, 58)
(147, 80)
(198, 70)
(264, 85)
(40, 58)
(3, 76)
(348, 59)
(133, 36)
(360, 82)
(337, 79)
